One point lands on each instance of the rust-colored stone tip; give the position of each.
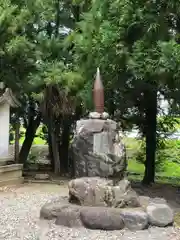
(98, 93)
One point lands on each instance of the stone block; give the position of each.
(102, 143)
(82, 190)
(102, 218)
(69, 216)
(11, 174)
(160, 215)
(42, 176)
(134, 219)
(95, 151)
(94, 115)
(101, 192)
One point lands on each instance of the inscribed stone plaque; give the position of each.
(102, 143)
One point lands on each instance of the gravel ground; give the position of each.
(19, 219)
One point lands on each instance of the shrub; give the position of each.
(168, 152)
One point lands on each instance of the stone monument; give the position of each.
(96, 149)
(9, 171)
(7, 100)
(95, 200)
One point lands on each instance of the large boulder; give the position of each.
(109, 217)
(97, 151)
(51, 209)
(146, 201)
(134, 219)
(69, 216)
(160, 215)
(96, 191)
(104, 218)
(88, 191)
(101, 218)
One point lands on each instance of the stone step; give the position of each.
(11, 182)
(10, 171)
(6, 161)
(10, 168)
(11, 174)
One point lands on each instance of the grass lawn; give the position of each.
(170, 169)
(135, 167)
(37, 141)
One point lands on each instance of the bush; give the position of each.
(40, 137)
(167, 156)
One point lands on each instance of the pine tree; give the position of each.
(127, 40)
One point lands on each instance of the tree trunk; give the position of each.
(71, 162)
(150, 134)
(55, 149)
(50, 155)
(64, 150)
(57, 6)
(53, 142)
(50, 140)
(16, 144)
(29, 137)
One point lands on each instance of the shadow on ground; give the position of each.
(166, 191)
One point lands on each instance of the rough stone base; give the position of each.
(95, 203)
(106, 218)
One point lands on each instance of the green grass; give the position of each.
(134, 166)
(170, 167)
(37, 140)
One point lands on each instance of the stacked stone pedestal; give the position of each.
(96, 149)
(95, 203)
(95, 200)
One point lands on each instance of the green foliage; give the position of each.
(40, 137)
(135, 49)
(167, 158)
(167, 124)
(58, 74)
(50, 50)
(32, 158)
(17, 52)
(126, 39)
(31, 47)
(135, 166)
(171, 151)
(163, 155)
